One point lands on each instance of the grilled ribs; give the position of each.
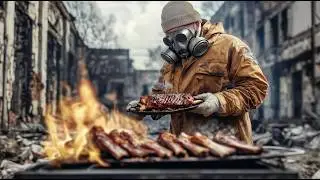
(106, 144)
(195, 149)
(166, 101)
(215, 148)
(235, 143)
(160, 150)
(123, 144)
(133, 150)
(167, 139)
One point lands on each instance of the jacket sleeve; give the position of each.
(249, 83)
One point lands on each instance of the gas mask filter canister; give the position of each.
(183, 44)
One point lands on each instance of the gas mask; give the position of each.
(183, 44)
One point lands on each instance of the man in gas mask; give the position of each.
(205, 61)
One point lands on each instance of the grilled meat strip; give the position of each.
(195, 149)
(154, 146)
(165, 101)
(167, 140)
(239, 145)
(215, 148)
(134, 151)
(106, 144)
(132, 139)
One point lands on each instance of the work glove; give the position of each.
(132, 104)
(209, 106)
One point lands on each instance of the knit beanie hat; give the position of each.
(178, 13)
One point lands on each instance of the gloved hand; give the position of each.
(132, 104)
(210, 105)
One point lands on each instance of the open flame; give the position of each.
(69, 138)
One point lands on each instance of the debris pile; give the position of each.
(18, 152)
(288, 135)
(291, 135)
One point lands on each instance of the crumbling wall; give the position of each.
(35, 84)
(43, 20)
(2, 49)
(9, 60)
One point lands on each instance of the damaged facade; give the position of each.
(111, 71)
(145, 80)
(279, 35)
(38, 39)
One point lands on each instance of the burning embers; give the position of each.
(69, 130)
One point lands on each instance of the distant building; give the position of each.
(112, 70)
(144, 81)
(279, 34)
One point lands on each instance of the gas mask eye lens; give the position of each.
(167, 41)
(181, 38)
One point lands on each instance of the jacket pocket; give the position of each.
(209, 77)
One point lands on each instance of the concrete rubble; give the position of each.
(293, 136)
(19, 152)
(316, 175)
(289, 135)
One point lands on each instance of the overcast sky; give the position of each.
(138, 25)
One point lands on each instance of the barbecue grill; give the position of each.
(237, 166)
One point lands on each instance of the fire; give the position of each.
(69, 138)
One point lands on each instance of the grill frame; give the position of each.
(238, 167)
(269, 152)
(248, 169)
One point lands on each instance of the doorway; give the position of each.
(297, 94)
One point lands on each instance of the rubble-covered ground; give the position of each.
(19, 151)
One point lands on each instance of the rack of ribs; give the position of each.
(166, 101)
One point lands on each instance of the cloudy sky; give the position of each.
(138, 25)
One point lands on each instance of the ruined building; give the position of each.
(38, 48)
(111, 71)
(279, 34)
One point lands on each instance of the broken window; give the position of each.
(21, 99)
(274, 31)
(260, 39)
(145, 90)
(284, 24)
(22, 5)
(53, 57)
